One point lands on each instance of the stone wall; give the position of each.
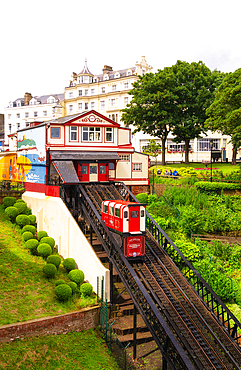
(10, 193)
(87, 318)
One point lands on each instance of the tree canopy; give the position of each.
(225, 112)
(174, 99)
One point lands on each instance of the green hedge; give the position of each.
(216, 186)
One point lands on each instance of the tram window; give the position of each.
(103, 170)
(134, 214)
(93, 169)
(85, 170)
(117, 212)
(125, 214)
(142, 213)
(105, 208)
(111, 211)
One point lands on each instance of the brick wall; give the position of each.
(10, 193)
(136, 189)
(87, 318)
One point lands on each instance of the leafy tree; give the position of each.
(153, 148)
(151, 108)
(225, 112)
(174, 99)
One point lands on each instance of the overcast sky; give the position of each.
(43, 42)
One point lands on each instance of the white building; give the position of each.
(107, 93)
(29, 111)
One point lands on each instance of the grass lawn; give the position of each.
(84, 350)
(25, 292)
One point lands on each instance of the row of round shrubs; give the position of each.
(41, 244)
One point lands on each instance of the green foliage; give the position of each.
(74, 287)
(21, 206)
(48, 240)
(50, 270)
(32, 219)
(216, 186)
(217, 279)
(77, 276)
(54, 259)
(41, 234)
(69, 264)
(59, 282)
(9, 201)
(63, 292)
(22, 220)
(152, 198)
(32, 245)
(12, 212)
(142, 197)
(27, 235)
(44, 250)
(86, 289)
(30, 228)
(190, 250)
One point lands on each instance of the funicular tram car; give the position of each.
(129, 220)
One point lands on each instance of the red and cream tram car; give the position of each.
(129, 220)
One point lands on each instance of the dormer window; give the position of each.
(117, 75)
(129, 72)
(51, 100)
(106, 77)
(18, 103)
(11, 104)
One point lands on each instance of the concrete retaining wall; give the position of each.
(54, 217)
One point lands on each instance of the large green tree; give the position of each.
(174, 99)
(225, 112)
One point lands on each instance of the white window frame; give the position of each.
(92, 105)
(109, 134)
(103, 90)
(80, 106)
(71, 108)
(91, 134)
(73, 133)
(102, 104)
(137, 167)
(113, 102)
(124, 157)
(45, 113)
(113, 87)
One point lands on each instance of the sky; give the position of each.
(43, 43)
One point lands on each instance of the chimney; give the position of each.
(27, 98)
(107, 69)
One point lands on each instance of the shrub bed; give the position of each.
(44, 250)
(50, 270)
(77, 276)
(63, 292)
(69, 264)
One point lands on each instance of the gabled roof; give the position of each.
(85, 70)
(73, 117)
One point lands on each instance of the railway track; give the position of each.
(203, 338)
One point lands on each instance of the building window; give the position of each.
(80, 92)
(175, 147)
(45, 113)
(129, 73)
(18, 126)
(86, 92)
(9, 127)
(9, 116)
(35, 114)
(102, 104)
(26, 114)
(113, 87)
(103, 90)
(18, 115)
(124, 157)
(92, 91)
(91, 134)
(113, 117)
(27, 124)
(92, 105)
(74, 133)
(80, 106)
(71, 109)
(136, 166)
(86, 106)
(109, 134)
(55, 132)
(126, 85)
(111, 166)
(71, 95)
(203, 145)
(18, 104)
(126, 100)
(113, 102)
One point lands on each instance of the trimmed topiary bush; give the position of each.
(32, 245)
(86, 289)
(142, 197)
(63, 292)
(54, 259)
(28, 211)
(50, 270)
(59, 282)
(21, 206)
(41, 234)
(20, 200)
(9, 201)
(48, 240)
(44, 250)
(30, 228)
(74, 287)
(27, 235)
(22, 220)
(69, 264)
(77, 276)
(12, 212)
(32, 219)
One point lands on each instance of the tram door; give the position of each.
(93, 172)
(103, 171)
(83, 169)
(134, 219)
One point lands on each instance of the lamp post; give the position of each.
(211, 147)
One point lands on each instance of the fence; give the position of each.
(118, 349)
